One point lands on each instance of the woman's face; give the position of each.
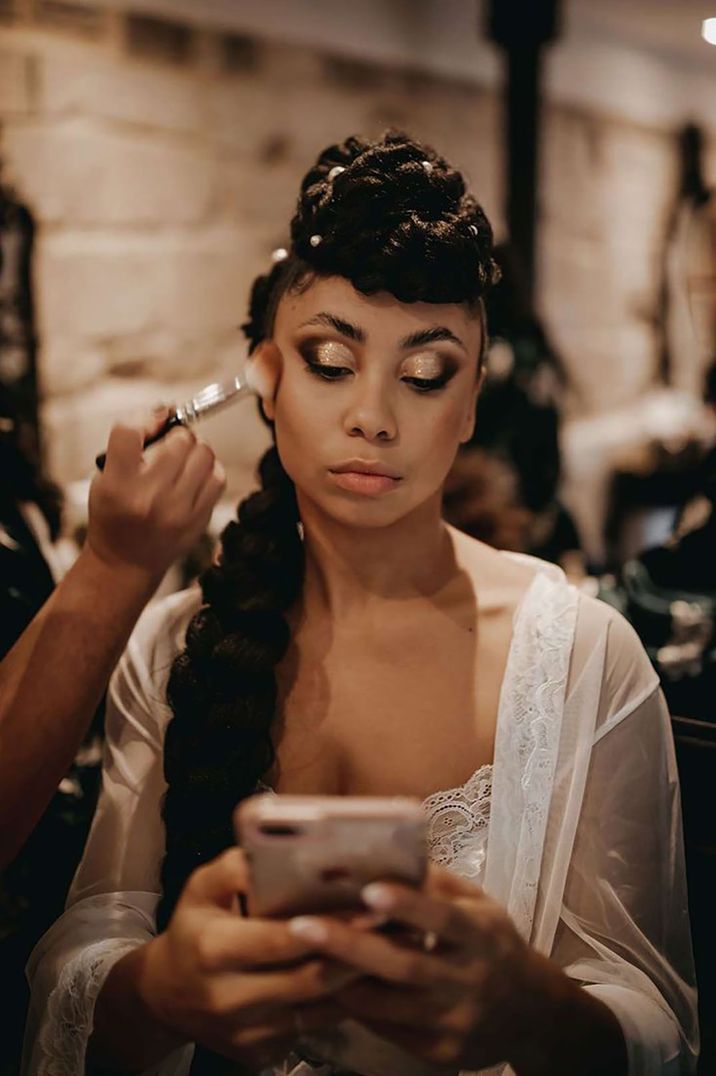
(373, 381)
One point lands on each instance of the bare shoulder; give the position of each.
(499, 580)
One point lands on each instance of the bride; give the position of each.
(348, 641)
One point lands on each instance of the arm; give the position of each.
(111, 904)
(567, 1029)
(624, 928)
(143, 514)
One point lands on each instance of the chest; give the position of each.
(400, 712)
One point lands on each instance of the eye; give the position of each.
(325, 358)
(427, 372)
(328, 373)
(423, 384)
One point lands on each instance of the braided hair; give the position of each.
(388, 215)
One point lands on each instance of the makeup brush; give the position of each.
(255, 380)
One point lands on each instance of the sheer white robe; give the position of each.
(584, 844)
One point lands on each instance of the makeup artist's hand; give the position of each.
(235, 984)
(147, 509)
(477, 997)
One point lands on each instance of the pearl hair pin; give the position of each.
(428, 166)
(336, 171)
(316, 240)
(279, 255)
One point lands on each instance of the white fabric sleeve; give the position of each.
(112, 901)
(624, 924)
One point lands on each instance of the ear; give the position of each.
(264, 371)
(468, 427)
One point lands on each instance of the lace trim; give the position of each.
(458, 821)
(527, 744)
(69, 1019)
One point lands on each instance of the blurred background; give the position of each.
(150, 154)
(157, 149)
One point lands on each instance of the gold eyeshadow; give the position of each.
(428, 366)
(329, 353)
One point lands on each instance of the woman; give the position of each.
(350, 642)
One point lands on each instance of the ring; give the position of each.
(430, 941)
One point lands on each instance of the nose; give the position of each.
(370, 414)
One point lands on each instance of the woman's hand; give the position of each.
(228, 982)
(148, 509)
(473, 994)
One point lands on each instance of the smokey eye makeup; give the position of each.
(427, 372)
(327, 360)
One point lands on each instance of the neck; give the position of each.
(353, 570)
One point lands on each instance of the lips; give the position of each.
(368, 467)
(367, 477)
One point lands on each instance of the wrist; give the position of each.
(151, 979)
(564, 1029)
(130, 990)
(124, 577)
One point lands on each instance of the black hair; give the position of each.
(387, 215)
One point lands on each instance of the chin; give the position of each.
(366, 512)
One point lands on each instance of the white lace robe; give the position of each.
(583, 846)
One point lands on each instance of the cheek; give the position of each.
(301, 423)
(440, 434)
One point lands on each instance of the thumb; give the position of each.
(218, 882)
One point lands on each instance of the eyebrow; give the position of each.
(416, 339)
(431, 336)
(343, 327)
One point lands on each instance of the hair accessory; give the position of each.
(428, 166)
(473, 229)
(279, 255)
(336, 171)
(315, 240)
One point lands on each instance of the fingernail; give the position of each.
(376, 895)
(308, 929)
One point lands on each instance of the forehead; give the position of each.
(381, 316)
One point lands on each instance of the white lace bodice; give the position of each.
(458, 822)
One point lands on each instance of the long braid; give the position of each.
(222, 687)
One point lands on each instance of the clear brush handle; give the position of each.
(204, 403)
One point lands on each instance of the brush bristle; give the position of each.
(263, 371)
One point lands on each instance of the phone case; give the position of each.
(311, 854)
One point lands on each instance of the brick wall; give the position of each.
(162, 163)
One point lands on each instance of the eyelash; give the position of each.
(421, 385)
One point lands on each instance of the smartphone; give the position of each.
(312, 854)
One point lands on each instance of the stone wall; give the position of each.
(162, 161)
